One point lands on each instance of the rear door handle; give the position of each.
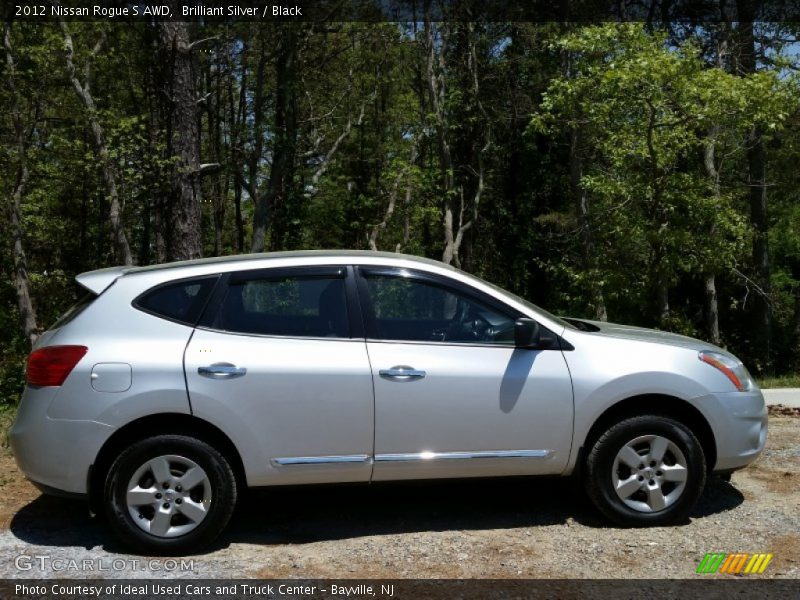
(222, 371)
(402, 373)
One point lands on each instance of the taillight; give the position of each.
(52, 365)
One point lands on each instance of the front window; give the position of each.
(403, 308)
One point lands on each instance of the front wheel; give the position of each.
(169, 494)
(646, 470)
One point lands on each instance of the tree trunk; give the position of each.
(662, 300)
(459, 212)
(756, 164)
(709, 276)
(372, 239)
(283, 152)
(581, 200)
(236, 116)
(21, 281)
(183, 212)
(82, 90)
(712, 309)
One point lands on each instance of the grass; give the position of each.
(784, 381)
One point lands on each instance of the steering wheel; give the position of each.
(479, 329)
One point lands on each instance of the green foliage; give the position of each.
(647, 111)
(638, 112)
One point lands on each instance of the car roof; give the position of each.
(98, 280)
(321, 254)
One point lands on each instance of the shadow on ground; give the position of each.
(310, 514)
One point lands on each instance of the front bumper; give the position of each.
(739, 423)
(55, 454)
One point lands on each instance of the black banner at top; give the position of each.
(220, 11)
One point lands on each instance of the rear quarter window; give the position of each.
(181, 301)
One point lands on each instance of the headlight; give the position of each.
(731, 368)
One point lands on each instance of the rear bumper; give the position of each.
(55, 454)
(51, 491)
(739, 423)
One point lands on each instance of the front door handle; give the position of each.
(222, 371)
(402, 373)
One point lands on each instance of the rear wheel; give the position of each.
(169, 494)
(645, 470)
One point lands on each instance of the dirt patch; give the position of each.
(15, 490)
(779, 410)
(786, 549)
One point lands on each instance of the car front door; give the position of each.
(453, 396)
(277, 366)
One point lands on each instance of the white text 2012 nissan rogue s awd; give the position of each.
(170, 388)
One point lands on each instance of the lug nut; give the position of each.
(178, 500)
(158, 496)
(641, 466)
(166, 504)
(652, 463)
(641, 478)
(178, 488)
(659, 473)
(165, 485)
(652, 482)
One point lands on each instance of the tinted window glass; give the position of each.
(290, 306)
(410, 309)
(180, 301)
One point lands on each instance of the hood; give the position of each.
(629, 332)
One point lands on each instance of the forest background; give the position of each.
(637, 172)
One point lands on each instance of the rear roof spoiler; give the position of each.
(99, 280)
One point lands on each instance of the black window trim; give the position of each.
(364, 271)
(171, 282)
(345, 272)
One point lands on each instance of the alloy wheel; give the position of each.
(649, 473)
(168, 496)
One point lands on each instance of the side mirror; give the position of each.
(527, 333)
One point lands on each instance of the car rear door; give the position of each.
(277, 364)
(453, 396)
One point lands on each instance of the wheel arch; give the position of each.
(159, 424)
(659, 405)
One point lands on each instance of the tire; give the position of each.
(610, 466)
(148, 508)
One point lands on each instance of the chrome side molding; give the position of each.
(425, 456)
(294, 461)
(319, 460)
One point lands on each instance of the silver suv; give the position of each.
(171, 388)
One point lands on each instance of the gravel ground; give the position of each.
(488, 529)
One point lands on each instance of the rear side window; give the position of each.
(294, 306)
(181, 301)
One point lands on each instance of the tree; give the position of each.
(83, 92)
(648, 108)
(184, 240)
(21, 127)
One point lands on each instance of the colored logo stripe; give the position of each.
(721, 562)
